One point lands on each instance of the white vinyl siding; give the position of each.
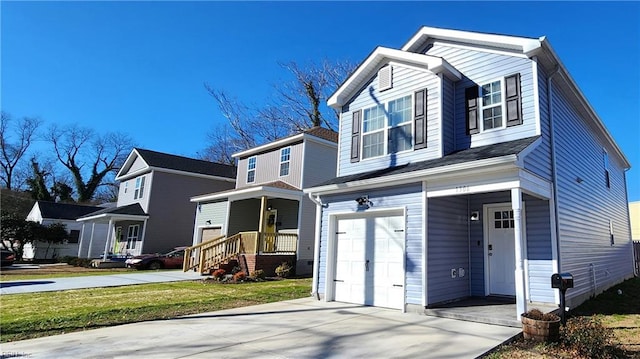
(482, 67)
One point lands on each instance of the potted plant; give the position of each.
(539, 326)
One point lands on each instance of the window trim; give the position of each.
(287, 161)
(252, 170)
(607, 173)
(131, 239)
(482, 107)
(387, 127)
(139, 190)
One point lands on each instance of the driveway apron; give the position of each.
(302, 328)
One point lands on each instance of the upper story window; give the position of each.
(285, 158)
(399, 125)
(491, 105)
(390, 124)
(126, 186)
(496, 104)
(139, 192)
(251, 169)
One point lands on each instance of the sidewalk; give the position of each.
(97, 281)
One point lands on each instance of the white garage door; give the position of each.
(369, 261)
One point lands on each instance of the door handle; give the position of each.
(366, 265)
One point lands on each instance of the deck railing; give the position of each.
(212, 253)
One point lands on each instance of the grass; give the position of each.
(32, 315)
(619, 312)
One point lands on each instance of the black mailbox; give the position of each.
(562, 281)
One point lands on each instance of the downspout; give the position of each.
(554, 173)
(316, 247)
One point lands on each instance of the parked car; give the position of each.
(172, 259)
(8, 257)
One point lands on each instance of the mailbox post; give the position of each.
(562, 281)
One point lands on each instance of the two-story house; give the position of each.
(153, 212)
(470, 165)
(268, 207)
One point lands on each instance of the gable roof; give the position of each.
(495, 151)
(164, 161)
(380, 57)
(317, 133)
(71, 211)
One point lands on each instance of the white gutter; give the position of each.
(316, 246)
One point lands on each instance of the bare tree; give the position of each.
(296, 105)
(12, 152)
(86, 154)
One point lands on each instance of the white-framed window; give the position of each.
(251, 169)
(387, 128)
(400, 125)
(285, 158)
(132, 236)
(612, 239)
(126, 186)
(492, 105)
(139, 192)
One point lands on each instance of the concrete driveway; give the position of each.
(302, 328)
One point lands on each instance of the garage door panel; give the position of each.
(380, 241)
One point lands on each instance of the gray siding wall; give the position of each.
(585, 208)
(216, 212)
(539, 160)
(479, 67)
(171, 214)
(128, 189)
(539, 251)
(244, 216)
(405, 82)
(448, 248)
(319, 163)
(268, 168)
(409, 197)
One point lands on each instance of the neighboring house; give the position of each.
(47, 213)
(470, 165)
(634, 213)
(153, 212)
(268, 202)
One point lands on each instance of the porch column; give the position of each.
(516, 204)
(93, 229)
(80, 241)
(263, 208)
(106, 243)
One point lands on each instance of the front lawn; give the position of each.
(34, 315)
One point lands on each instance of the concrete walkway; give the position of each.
(302, 328)
(112, 280)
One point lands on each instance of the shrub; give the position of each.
(258, 274)
(284, 270)
(218, 273)
(536, 314)
(586, 336)
(239, 277)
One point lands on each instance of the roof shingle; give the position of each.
(186, 164)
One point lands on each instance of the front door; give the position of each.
(501, 251)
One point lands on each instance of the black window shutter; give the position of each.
(355, 135)
(420, 119)
(471, 107)
(512, 97)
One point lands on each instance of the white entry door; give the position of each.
(501, 251)
(370, 261)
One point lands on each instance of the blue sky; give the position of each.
(139, 67)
